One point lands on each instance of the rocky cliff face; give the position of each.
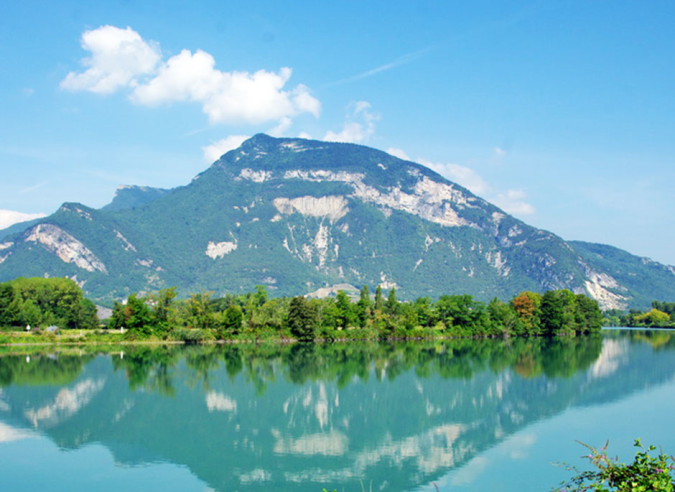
(301, 216)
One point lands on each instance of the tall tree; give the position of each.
(392, 304)
(346, 314)
(301, 320)
(552, 313)
(363, 306)
(231, 321)
(379, 301)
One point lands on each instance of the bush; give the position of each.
(191, 336)
(646, 473)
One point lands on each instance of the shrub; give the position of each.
(646, 473)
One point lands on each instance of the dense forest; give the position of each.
(45, 302)
(661, 315)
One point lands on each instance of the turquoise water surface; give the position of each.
(470, 415)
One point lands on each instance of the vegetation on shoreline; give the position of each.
(661, 315)
(255, 316)
(645, 473)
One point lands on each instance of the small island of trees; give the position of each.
(661, 315)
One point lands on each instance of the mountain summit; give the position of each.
(301, 216)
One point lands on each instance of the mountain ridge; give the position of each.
(302, 215)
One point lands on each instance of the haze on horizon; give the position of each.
(558, 112)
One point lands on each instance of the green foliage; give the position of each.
(137, 317)
(654, 317)
(44, 302)
(301, 319)
(231, 321)
(255, 316)
(645, 473)
(662, 315)
(198, 311)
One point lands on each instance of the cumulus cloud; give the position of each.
(216, 149)
(281, 129)
(513, 202)
(120, 58)
(461, 175)
(358, 128)
(10, 217)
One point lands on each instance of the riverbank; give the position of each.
(195, 336)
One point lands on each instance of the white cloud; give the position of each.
(122, 59)
(118, 58)
(358, 128)
(512, 201)
(499, 152)
(10, 217)
(398, 153)
(281, 129)
(216, 149)
(304, 135)
(461, 175)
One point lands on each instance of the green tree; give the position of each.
(653, 317)
(260, 295)
(503, 318)
(552, 313)
(30, 313)
(164, 305)
(379, 301)
(301, 320)
(588, 315)
(345, 309)
(392, 305)
(231, 321)
(363, 306)
(199, 312)
(137, 317)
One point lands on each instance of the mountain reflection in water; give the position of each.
(308, 416)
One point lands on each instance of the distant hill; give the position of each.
(301, 216)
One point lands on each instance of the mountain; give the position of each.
(301, 216)
(18, 227)
(130, 196)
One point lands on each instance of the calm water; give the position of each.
(467, 415)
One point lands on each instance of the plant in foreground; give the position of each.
(645, 473)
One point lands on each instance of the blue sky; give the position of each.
(559, 112)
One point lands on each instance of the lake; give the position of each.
(468, 415)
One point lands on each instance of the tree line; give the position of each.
(59, 302)
(44, 302)
(255, 314)
(661, 315)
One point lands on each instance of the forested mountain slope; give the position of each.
(301, 216)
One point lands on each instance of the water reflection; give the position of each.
(397, 414)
